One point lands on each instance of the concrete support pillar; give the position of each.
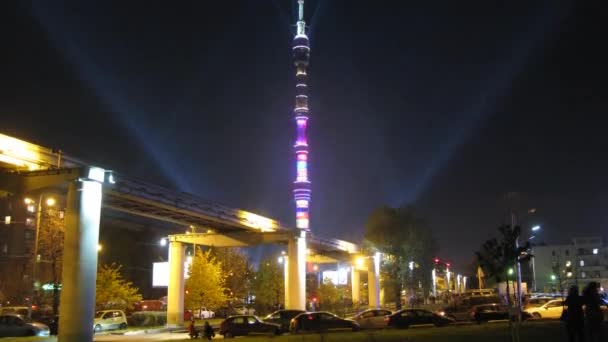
(355, 283)
(175, 290)
(83, 212)
(295, 286)
(373, 281)
(286, 280)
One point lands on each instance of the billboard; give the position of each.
(160, 272)
(339, 277)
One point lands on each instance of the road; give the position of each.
(165, 336)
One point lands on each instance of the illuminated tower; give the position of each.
(301, 55)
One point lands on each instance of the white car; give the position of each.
(372, 318)
(109, 319)
(204, 313)
(551, 309)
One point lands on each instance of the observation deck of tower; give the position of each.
(301, 56)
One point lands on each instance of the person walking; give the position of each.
(593, 313)
(208, 331)
(573, 315)
(192, 330)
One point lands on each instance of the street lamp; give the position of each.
(518, 265)
(50, 201)
(99, 247)
(163, 242)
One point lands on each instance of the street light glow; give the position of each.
(28, 200)
(535, 228)
(50, 201)
(510, 271)
(99, 247)
(163, 242)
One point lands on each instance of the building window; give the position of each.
(28, 234)
(583, 275)
(5, 249)
(29, 221)
(595, 251)
(567, 252)
(553, 253)
(582, 262)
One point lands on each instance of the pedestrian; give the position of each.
(192, 330)
(593, 313)
(208, 331)
(573, 315)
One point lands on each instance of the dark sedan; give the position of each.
(282, 318)
(320, 321)
(12, 325)
(408, 317)
(52, 322)
(243, 325)
(492, 312)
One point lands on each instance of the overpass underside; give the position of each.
(26, 168)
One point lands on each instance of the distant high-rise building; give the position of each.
(301, 56)
(556, 267)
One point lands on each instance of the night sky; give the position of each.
(447, 106)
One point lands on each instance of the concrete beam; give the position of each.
(22, 182)
(234, 239)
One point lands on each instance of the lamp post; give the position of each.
(518, 264)
(29, 202)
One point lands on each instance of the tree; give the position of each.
(206, 283)
(237, 271)
(497, 256)
(113, 291)
(333, 298)
(50, 249)
(403, 237)
(269, 285)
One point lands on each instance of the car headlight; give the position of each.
(441, 313)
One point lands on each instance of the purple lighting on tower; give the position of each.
(301, 55)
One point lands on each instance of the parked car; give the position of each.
(150, 305)
(405, 318)
(282, 318)
(17, 310)
(372, 318)
(320, 321)
(536, 302)
(13, 325)
(462, 311)
(492, 312)
(52, 322)
(109, 319)
(243, 325)
(203, 313)
(551, 309)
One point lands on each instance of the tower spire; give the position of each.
(301, 56)
(301, 23)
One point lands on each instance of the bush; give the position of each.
(148, 318)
